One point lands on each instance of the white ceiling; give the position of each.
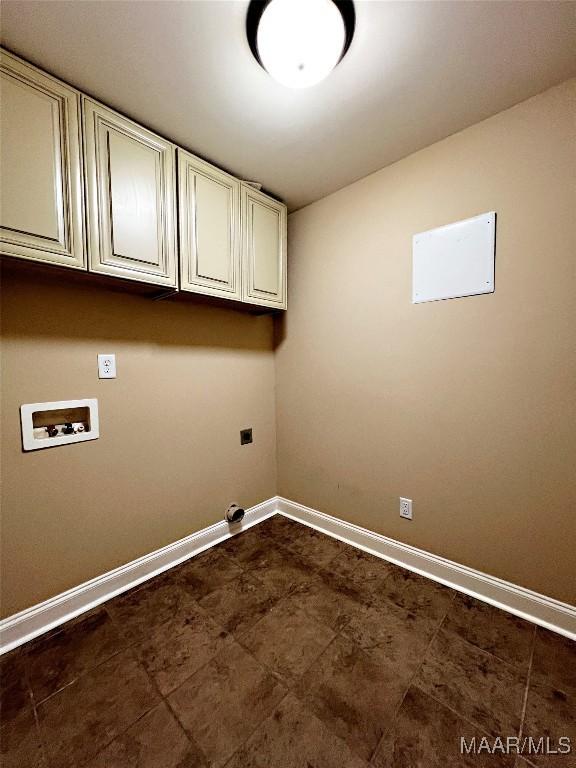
(415, 73)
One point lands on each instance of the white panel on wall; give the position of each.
(455, 260)
(45, 425)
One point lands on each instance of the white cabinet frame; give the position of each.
(66, 246)
(263, 259)
(103, 129)
(211, 264)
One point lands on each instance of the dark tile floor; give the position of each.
(284, 648)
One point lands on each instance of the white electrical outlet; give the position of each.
(406, 508)
(106, 366)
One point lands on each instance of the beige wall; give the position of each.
(169, 458)
(466, 406)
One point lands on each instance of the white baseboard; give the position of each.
(545, 611)
(21, 627)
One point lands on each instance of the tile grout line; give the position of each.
(125, 644)
(340, 634)
(316, 577)
(164, 698)
(253, 731)
(39, 730)
(290, 685)
(30, 693)
(121, 733)
(455, 712)
(465, 717)
(488, 653)
(36, 705)
(269, 670)
(229, 634)
(526, 690)
(237, 639)
(83, 674)
(414, 676)
(499, 659)
(131, 649)
(43, 747)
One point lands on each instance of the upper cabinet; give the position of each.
(41, 214)
(263, 249)
(85, 187)
(130, 186)
(209, 228)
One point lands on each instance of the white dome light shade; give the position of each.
(300, 42)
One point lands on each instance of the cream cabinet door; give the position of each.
(41, 214)
(130, 191)
(209, 228)
(263, 249)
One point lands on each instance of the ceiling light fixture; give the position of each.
(299, 42)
